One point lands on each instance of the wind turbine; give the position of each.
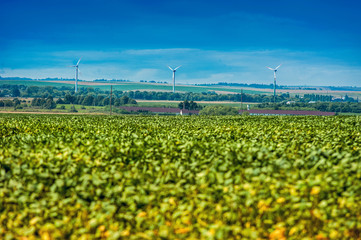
(76, 74)
(274, 84)
(174, 70)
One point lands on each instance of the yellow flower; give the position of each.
(142, 214)
(315, 190)
(262, 206)
(278, 234)
(34, 220)
(125, 233)
(182, 230)
(292, 231)
(172, 201)
(334, 234)
(101, 228)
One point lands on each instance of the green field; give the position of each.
(132, 86)
(33, 83)
(133, 177)
(145, 86)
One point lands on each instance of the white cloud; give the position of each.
(37, 73)
(200, 66)
(165, 51)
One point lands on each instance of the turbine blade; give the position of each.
(270, 68)
(177, 67)
(278, 66)
(171, 68)
(78, 62)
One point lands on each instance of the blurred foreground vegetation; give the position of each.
(132, 177)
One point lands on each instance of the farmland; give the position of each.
(133, 86)
(136, 177)
(163, 87)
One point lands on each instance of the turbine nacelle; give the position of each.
(77, 64)
(274, 69)
(175, 69)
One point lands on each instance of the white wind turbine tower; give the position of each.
(76, 74)
(174, 70)
(274, 84)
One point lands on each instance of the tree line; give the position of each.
(7, 90)
(351, 107)
(189, 105)
(50, 103)
(95, 100)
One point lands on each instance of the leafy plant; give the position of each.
(162, 177)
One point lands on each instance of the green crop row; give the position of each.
(137, 177)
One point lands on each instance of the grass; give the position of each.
(132, 86)
(33, 83)
(348, 114)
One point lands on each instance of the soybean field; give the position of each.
(180, 177)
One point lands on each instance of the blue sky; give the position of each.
(318, 42)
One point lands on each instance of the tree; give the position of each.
(88, 100)
(49, 104)
(38, 102)
(124, 100)
(32, 91)
(60, 101)
(8, 103)
(15, 92)
(16, 102)
(73, 109)
(69, 99)
(189, 105)
(132, 101)
(218, 110)
(184, 105)
(106, 101)
(99, 100)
